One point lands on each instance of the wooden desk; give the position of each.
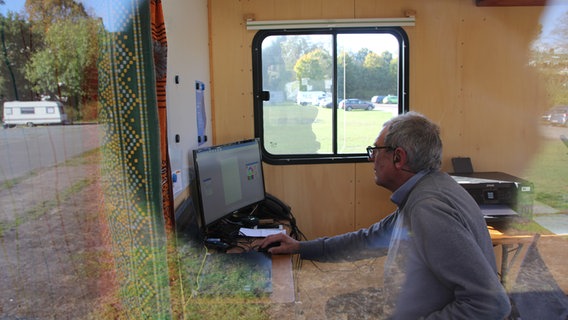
(516, 245)
(282, 279)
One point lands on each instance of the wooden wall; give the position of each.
(469, 72)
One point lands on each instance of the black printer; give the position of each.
(498, 194)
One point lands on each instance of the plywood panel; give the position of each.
(322, 197)
(471, 59)
(233, 115)
(300, 10)
(506, 3)
(372, 202)
(493, 75)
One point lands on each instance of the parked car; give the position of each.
(350, 104)
(390, 99)
(326, 103)
(559, 116)
(377, 99)
(545, 118)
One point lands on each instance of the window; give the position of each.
(322, 95)
(49, 110)
(27, 110)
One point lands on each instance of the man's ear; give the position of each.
(399, 156)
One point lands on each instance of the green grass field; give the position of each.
(549, 173)
(294, 129)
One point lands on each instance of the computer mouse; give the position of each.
(272, 245)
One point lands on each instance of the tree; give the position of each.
(293, 47)
(315, 66)
(60, 68)
(16, 47)
(550, 56)
(365, 73)
(309, 59)
(361, 55)
(375, 73)
(559, 33)
(44, 13)
(275, 74)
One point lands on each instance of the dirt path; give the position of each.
(53, 257)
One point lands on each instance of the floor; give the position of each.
(348, 290)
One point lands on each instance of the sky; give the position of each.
(12, 5)
(384, 42)
(18, 5)
(550, 17)
(100, 8)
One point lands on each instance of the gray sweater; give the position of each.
(440, 260)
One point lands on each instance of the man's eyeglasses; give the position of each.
(371, 150)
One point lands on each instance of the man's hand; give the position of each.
(288, 245)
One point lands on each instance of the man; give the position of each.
(440, 261)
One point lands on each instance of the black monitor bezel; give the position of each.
(206, 226)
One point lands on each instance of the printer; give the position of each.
(498, 194)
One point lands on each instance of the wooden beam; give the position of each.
(509, 3)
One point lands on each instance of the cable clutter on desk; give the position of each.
(274, 208)
(270, 213)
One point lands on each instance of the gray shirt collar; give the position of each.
(399, 195)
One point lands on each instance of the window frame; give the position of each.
(259, 96)
(27, 110)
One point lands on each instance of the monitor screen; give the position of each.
(229, 178)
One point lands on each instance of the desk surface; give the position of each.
(499, 238)
(282, 279)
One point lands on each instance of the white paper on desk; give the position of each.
(261, 233)
(496, 210)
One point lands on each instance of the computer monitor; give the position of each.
(229, 179)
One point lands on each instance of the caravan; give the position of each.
(31, 113)
(307, 98)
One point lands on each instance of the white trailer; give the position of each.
(305, 98)
(31, 113)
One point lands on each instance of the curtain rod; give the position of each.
(330, 23)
